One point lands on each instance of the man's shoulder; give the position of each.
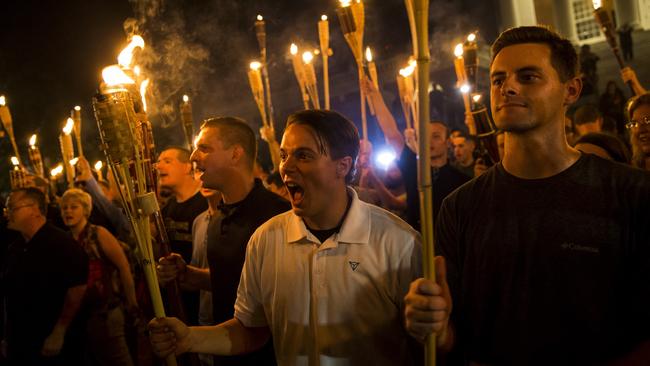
(386, 221)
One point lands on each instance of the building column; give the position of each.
(626, 12)
(565, 20)
(515, 13)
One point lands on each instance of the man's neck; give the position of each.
(213, 203)
(333, 214)
(466, 163)
(239, 185)
(438, 161)
(35, 226)
(187, 190)
(535, 155)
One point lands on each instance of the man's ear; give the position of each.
(573, 88)
(343, 166)
(237, 154)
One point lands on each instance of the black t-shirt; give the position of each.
(444, 180)
(35, 278)
(178, 223)
(228, 236)
(549, 271)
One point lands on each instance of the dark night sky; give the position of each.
(52, 52)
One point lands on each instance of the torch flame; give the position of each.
(14, 161)
(307, 57)
(114, 75)
(143, 92)
(476, 97)
(56, 170)
(137, 70)
(126, 56)
(74, 161)
(293, 49)
(260, 17)
(68, 126)
(323, 17)
(597, 4)
(407, 71)
(471, 37)
(99, 165)
(368, 54)
(77, 108)
(345, 3)
(465, 88)
(3, 102)
(255, 65)
(458, 50)
(186, 98)
(32, 141)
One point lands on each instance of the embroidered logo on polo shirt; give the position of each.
(353, 265)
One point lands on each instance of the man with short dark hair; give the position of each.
(588, 119)
(326, 279)
(547, 256)
(464, 146)
(43, 280)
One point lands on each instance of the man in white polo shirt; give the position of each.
(327, 279)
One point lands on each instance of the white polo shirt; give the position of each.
(334, 303)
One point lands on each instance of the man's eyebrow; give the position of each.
(497, 73)
(530, 68)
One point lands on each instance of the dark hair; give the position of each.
(336, 136)
(563, 56)
(275, 178)
(611, 144)
(586, 114)
(447, 133)
(183, 154)
(35, 195)
(235, 131)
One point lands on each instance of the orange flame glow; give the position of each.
(126, 56)
(68, 126)
(114, 75)
(143, 93)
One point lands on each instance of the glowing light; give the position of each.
(114, 75)
(323, 17)
(137, 70)
(385, 158)
(126, 56)
(143, 93)
(368, 54)
(316, 52)
(56, 170)
(293, 49)
(69, 124)
(32, 141)
(3, 102)
(458, 50)
(260, 17)
(186, 98)
(255, 65)
(412, 63)
(99, 165)
(345, 3)
(465, 88)
(307, 57)
(407, 71)
(476, 97)
(77, 108)
(471, 37)
(14, 161)
(74, 161)
(597, 4)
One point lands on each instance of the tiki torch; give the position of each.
(260, 32)
(408, 88)
(372, 70)
(98, 169)
(67, 150)
(54, 178)
(35, 157)
(257, 88)
(604, 19)
(75, 114)
(324, 38)
(187, 120)
(298, 70)
(351, 16)
(310, 78)
(17, 175)
(7, 123)
(464, 86)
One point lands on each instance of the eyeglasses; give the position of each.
(634, 124)
(8, 210)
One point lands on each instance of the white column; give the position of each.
(515, 13)
(565, 22)
(626, 12)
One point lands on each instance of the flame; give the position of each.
(186, 98)
(74, 161)
(114, 75)
(345, 3)
(458, 50)
(99, 165)
(260, 17)
(143, 93)
(476, 97)
(368, 54)
(255, 65)
(3, 102)
(323, 17)
(293, 49)
(14, 161)
(307, 57)
(316, 51)
(68, 126)
(412, 62)
(77, 108)
(471, 37)
(597, 4)
(32, 141)
(465, 88)
(137, 70)
(126, 56)
(407, 71)
(56, 170)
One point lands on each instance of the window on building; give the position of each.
(586, 27)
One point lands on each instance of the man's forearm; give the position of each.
(71, 304)
(228, 338)
(196, 279)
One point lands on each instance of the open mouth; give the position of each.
(296, 192)
(644, 138)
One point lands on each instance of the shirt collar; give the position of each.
(354, 230)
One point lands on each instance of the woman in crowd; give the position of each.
(638, 112)
(102, 304)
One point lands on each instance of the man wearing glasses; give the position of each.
(43, 282)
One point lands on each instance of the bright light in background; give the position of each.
(143, 93)
(260, 17)
(126, 56)
(476, 97)
(471, 37)
(368, 54)
(32, 141)
(3, 101)
(74, 161)
(255, 65)
(99, 165)
(186, 98)
(385, 158)
(597, 4)
(14, 161)
(465, 88)
(69, 124)
(114, 75)
(458, 50)
(344, 3)
(293, 49)
(307, 57)
(323, 17)
(57, 170)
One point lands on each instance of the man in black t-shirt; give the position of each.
(225, 156)
(547, 255)
(43, 283)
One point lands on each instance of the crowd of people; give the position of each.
(543, 256)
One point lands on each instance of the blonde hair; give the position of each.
(80, 196)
